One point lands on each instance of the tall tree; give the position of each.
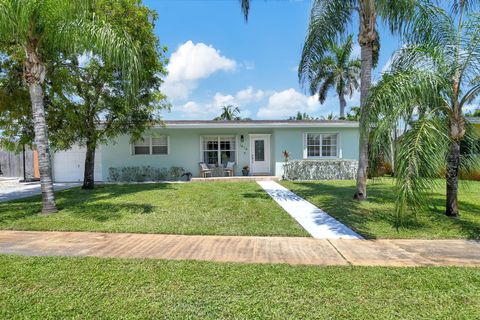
(102, 113)
(334, 69)
(330, 19)
(229, 113)
(43, 28)
(433, 80)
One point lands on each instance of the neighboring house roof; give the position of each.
(260, 123)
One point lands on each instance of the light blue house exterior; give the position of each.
(256, 144)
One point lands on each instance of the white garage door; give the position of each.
(68, 166)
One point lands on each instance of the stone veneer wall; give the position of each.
(335, 169)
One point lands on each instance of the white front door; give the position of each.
(260, 153)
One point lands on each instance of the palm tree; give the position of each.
(229, 113)
(42, 28)
(353, 114)
(330, 19)
(302, 116)
(334, 69)
(329, 116)
(433, 80)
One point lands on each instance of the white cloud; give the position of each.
(191, 107)
(190, 63)
(287, 103)
(241, 98)
(210, 109)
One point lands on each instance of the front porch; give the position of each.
(237, 179)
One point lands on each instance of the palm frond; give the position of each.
(245, 5)
(419, 161)
(102, 39)
(329, 19)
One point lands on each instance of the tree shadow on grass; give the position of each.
(100, 204)
(256, 195)
(337, 200)
(110, 211)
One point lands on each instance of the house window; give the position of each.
(321, 145)
(151, 145)
(160, 145)
(218, 150)
(141, 146)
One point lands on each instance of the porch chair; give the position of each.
(229, 169)
(205, 170)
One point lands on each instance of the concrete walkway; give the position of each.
(11, 189)
(317, 222)
(288, 250)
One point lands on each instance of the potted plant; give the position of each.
(245, 170)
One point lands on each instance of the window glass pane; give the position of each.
(313, 151)
(215, 147)
(259, 150)
(159, 141)
(142, 142)
(329, 145)
(227, 156)
(227, 143)
(160, 150)
(141, 150)
(313, 139)
(210, 157)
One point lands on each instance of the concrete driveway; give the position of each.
(11, 189)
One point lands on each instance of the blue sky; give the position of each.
(217, 58)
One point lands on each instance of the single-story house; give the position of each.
(258, 144)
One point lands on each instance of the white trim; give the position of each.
(267, 137)
(339, 146)
(261, 125)
(149, 137)
(219, 136)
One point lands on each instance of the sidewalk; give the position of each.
(317, 222)
(288, 250)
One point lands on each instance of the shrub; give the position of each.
(144, 173)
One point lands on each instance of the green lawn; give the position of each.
(53, 287)
(374, 218)
(174, 208)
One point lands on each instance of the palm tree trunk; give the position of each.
(453, 163)
(366, 80)
(41, 142)
(343, 104)
(88, 176)
(457, 132)
(34, 76)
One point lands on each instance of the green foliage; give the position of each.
(331, 19)
(229, 113)
(428, 84)
(144, 173)
(333, 69)
(353, 114)
(102, 113)
(474, 113)
(302, 116)
(62, 30)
